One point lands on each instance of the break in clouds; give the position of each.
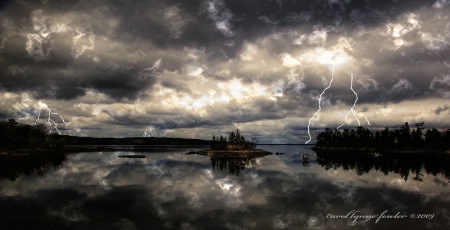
(198, 68)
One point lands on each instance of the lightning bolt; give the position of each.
(51, 123)
(355, 114)
(320, 107)
(149, 132)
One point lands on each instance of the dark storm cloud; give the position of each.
(123, 84)
(185, 64)
(256, 19)
(400, 75)
(3, 4)
(150, 21)
(170, 121)
(52, 64)
(66, 82)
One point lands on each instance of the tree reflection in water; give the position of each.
(13, 167)
(234, 164)
(404, 164)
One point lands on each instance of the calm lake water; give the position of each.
(171, 190)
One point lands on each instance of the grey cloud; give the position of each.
(403, 88)
(441, 109)
(147, 21)
(126, 50)
(165, 121)
(400, 77)
(441, 85)
(258, 109)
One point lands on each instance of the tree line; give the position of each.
(400, 138)
(15, 135)
(235, 141)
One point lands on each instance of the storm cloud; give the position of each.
(213, 64)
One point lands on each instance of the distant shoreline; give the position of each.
(86, 148)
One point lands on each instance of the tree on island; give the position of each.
(235, 142)
(401, 138)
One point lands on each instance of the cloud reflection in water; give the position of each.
(172, 190)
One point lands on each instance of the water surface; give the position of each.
(171, 190)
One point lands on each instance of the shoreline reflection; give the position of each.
(407, 165)
(13, 167)
(97, 190)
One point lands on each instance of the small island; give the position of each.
(235, 146)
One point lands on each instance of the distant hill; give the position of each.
(16, 136)
(74, 140)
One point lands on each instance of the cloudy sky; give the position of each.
(197, 68)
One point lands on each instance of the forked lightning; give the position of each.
(355, 114)
(51, 123)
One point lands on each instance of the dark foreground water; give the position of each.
(171, 190)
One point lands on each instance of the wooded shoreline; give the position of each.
(403, 139)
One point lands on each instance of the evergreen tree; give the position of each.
(399, 138)
(238, 136)
(404, 136)
(417, 135)
(433, 137)
(231, 138)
